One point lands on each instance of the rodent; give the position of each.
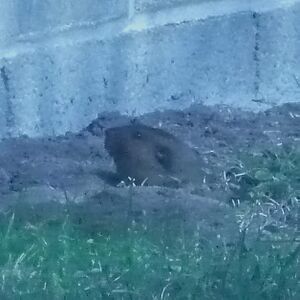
(152, 156)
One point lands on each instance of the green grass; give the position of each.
(267, 176)
(55, 258)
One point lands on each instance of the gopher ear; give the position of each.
(164, 156)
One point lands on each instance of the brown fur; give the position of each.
(152, 155)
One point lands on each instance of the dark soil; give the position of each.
(65, 170)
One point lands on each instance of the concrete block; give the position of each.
(154, 5)
(241, 54)
(278, 56)
(23, 20)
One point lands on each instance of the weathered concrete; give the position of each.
(59, 70)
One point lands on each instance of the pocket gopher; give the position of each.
(152, 156)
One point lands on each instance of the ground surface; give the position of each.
(50, 173)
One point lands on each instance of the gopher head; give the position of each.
(151, 154)
(140, 151)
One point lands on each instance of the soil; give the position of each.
(66, 169)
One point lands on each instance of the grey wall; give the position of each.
(64, 61)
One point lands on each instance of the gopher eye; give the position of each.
(164, 157)
(137, 135)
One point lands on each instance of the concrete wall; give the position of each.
(64, 61)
